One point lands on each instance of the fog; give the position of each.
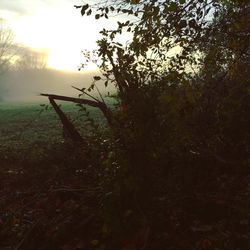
(26, 85)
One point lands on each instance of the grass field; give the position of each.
(23, 125)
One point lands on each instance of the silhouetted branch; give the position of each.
(68, 127)
(102, 106)
(84, 92)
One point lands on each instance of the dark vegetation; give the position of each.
(170, 170)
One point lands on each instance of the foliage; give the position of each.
(183, 96)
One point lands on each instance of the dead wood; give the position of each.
(98, 104)
(68, 127)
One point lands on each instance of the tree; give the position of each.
(162, 93)
(211, 44)
(31, 59)
(224, 79)
(7, 48)
(182, 113)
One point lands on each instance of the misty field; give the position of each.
(23, 125)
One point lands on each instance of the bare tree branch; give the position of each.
(102, 106)
(7, 48)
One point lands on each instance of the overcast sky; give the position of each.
(53, 25)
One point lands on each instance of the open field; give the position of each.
(24, 125)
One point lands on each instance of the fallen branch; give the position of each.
(102, 106)
(68, 127)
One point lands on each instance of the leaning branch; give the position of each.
(68, 127)
(102, 106)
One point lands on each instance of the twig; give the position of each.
(84, 92)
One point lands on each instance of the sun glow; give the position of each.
(64, 34)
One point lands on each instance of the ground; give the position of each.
(51, 197)
(44, 182)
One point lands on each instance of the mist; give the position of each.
(25, 85)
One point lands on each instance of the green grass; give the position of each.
(24, 125)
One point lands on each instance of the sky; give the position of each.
(54, 26)
(57, 28)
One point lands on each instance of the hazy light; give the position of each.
(58, 28)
